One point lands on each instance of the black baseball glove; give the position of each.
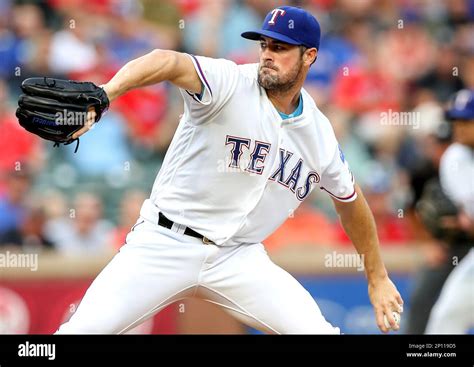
(433, 207)
(55, 109)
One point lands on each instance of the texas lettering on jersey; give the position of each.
(235, 168)
(256, 165)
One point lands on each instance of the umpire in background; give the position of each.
(442, 213)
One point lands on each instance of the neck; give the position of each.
(285, 102)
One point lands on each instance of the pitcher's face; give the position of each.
(281, 65)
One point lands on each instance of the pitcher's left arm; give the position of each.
(359, 224)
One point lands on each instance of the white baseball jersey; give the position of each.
(235, 169)
(457, 176)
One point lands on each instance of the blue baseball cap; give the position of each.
(461, 106)
(290, 25)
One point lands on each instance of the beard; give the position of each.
(270, 80)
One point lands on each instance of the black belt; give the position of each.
(165, 222)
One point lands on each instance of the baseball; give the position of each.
(395, 315)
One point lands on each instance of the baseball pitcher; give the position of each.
(250, 147)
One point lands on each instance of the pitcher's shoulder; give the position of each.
(320, 120)
(249, 71)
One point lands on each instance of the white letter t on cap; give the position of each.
(275, 13)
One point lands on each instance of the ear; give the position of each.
(310, 56)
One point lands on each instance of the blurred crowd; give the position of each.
(384, 73)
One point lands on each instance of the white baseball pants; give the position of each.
(158, 266)
(453, 312)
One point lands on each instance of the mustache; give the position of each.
(268, 65)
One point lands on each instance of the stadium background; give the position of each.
(384, 73)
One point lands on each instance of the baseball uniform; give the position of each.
(453, 312)
(235, 170)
